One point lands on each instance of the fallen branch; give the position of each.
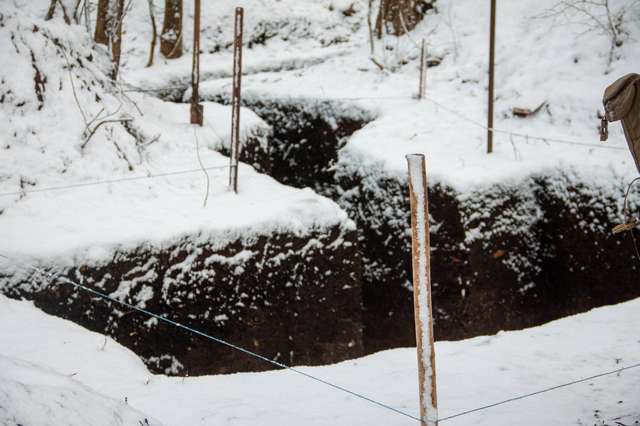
(378, 64)
(97, 126)
(52, 9)
(525, 112)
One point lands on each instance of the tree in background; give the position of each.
(171, 36)
(398, 17)
(116, 38)
(109, 20)
(197, 109)
(52, 8)
(101, 35)
(603, 16)
(154, 34)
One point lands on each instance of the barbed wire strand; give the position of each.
(109, 181)
(307, 375)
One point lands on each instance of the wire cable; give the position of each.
(462, 117)
(218, 340)
(517, 398)
(444, 107)
(108, 181)
(307, 375)
(523, 135)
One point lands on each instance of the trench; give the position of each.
(511, 256)
(540, 250)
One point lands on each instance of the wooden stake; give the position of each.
(492, 48)
(418, 193)
(422, 87)
(197, 109)
(235, 99)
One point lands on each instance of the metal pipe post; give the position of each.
(421, 262)
(235, 99)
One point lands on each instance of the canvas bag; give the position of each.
(622, 102)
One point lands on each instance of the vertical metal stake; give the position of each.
(492, 54)
(197, 109)
(235, 99)
(418, 192)
(422, 88)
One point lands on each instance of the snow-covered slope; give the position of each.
(315, 50)
(67, 124)
(34, 395)
(471, 373)
(319, 50)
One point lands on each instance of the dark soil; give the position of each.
(286, 299)
(505, 257)
(543, 248)
(306, 138)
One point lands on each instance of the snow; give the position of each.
(313, 52)
(43, 147)
(41, 349)
(316, 56)
(34, 395)
(538, 59)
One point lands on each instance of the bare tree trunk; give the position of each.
(52, 9)
(101, 35)
(394, 16)
(116, 40)
(171, 38)
(76, 12)
(154, 36)
(371, 46)
(196, 109)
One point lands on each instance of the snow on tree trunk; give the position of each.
(171, 37)
(400, 16)
(116, 39)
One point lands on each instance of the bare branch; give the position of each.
(154, 35)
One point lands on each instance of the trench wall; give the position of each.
(503, 257)
(295, 299)
(508, 256)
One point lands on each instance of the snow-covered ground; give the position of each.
(51, 138)
(312, 50)
(52, 359)
(315, 52)
(555, 60)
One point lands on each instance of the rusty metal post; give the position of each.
(421, 262)
(422, 87)
(492, 55)
(197, 109)
(235, 99)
